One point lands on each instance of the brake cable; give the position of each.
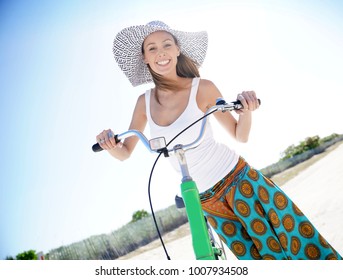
(151, 173)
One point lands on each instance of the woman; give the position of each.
(247, 210)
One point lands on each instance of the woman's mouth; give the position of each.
(163, 62)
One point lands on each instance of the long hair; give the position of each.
(185, 68)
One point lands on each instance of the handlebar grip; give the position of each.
(96, 147)
(237, 102)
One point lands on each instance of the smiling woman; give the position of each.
(160, 48)
(249, 212)
(59, 84)
(169, 70)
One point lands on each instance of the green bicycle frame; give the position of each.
(200, 239)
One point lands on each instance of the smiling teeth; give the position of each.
(164, 62)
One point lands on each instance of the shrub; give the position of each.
(329, 138)
(28, 255)
(138, 215)
(308, 144)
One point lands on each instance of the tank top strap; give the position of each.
(192, 106)
(147, 105)
(194, 89)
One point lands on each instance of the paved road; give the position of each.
(318, 192)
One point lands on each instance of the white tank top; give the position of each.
(210, 161)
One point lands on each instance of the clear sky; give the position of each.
(60, 86)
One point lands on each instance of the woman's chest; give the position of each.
(165, 112)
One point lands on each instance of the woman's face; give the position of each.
(161, 52)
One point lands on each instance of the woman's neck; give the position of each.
(162, 95)
(180, 84)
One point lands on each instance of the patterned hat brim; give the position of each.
(127, 49)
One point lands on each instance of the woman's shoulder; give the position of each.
(206, 84)
(207, 94)
(141, 98)
(140, 104)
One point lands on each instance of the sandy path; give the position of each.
(318, 192)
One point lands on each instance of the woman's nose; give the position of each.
(161, 53)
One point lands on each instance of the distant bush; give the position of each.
(329, 138)
(308, 144)
(138, 215)
(28, 255)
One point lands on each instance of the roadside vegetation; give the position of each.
(308, 144)
(27, 255)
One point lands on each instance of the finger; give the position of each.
(251, 99)
(107, 139)
(102, 140)
(243, 101)
(253, 94)
(101, 143)
(251, 103)
(111, 138)
(241, 98)
(256, 104)
(254, 100)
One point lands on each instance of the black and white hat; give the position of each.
(127, 49)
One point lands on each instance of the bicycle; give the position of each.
(204, 247)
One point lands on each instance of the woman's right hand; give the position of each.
(107, 141)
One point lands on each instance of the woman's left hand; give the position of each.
(249, 102)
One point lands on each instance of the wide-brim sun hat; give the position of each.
(127, 49)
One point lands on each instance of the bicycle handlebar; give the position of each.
(221, 105)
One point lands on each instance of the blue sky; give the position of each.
(60, 86)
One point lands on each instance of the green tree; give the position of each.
(27, 255)
(308, 144)
(138, 215)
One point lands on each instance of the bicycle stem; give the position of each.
(180, 155)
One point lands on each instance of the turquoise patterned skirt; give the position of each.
(257, 220)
